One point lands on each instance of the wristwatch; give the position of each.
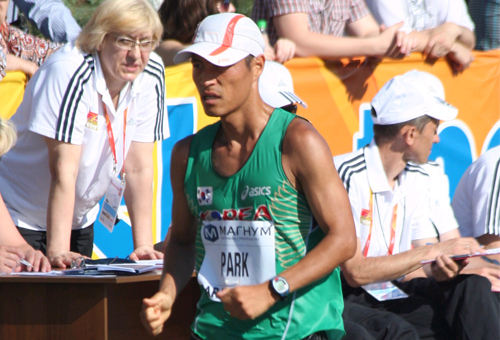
(279, 286)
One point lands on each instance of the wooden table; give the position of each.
(52, 308)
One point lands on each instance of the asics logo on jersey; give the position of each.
(256, 191)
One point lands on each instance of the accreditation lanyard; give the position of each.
(111, 139)
(390, 248)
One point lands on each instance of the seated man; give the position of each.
(476, 202)
(390, 202)
(440, 28)
(318, 28)
(245, 192)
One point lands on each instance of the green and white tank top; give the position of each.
(252, 226)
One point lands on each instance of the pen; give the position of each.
(26, 263)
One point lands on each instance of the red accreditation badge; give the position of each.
(92, 119)
(366, 217)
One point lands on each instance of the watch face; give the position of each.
(281, 286)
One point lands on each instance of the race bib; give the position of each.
(236, 253)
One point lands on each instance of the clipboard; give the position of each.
(115, 269)
(492, 251)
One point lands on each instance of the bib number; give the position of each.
(236, 253)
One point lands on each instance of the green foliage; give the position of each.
(243, 6)
(82, 10)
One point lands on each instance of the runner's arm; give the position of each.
(179, 257)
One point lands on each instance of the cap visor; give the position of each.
(228, 57)
(443, 111)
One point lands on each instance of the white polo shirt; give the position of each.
(373, 202)
(64, 101)
(420, 15)
(476, 201)
(441, 213)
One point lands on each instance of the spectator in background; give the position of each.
(20, 51)
(319, 28)
(276, 88)
(181, 17)
(51, 17)
(440, 28)
(389, 198)
(13, 247)
(92, 112)
(486, 17)
(441, 212)
(476, 202)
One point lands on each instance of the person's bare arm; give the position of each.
(361, 270)
(446, 41)
(17, 64)
(308, 164)
(490, 241)
(168, 49)
(179, 251)
(10, 237)
(64, 161)
(139, 169)
(363, 28)
(442, 37)
(295, 27)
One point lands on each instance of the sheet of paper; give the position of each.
(383, 291)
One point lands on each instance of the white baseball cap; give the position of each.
(276, 86)
(224, 39)
(410, 96)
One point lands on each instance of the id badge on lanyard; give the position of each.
(116, 187)
(112, 201)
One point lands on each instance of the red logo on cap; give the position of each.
(228, 37)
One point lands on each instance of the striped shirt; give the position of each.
(65, 101)
(324, 16)
(51, 17)
(486, 17)
(375, 204)
(476, 202)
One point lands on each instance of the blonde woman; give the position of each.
(13, 248)
(92, 112)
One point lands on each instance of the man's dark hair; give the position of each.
(181, 17)
(248, 60)
(388, 132)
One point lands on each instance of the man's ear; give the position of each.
(259, 62)
(409, 133)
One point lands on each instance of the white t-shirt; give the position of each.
(476, 201)
(441, 212)
(373, 201)
(64, 101)
(420, 15)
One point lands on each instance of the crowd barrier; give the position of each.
(338, 95)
